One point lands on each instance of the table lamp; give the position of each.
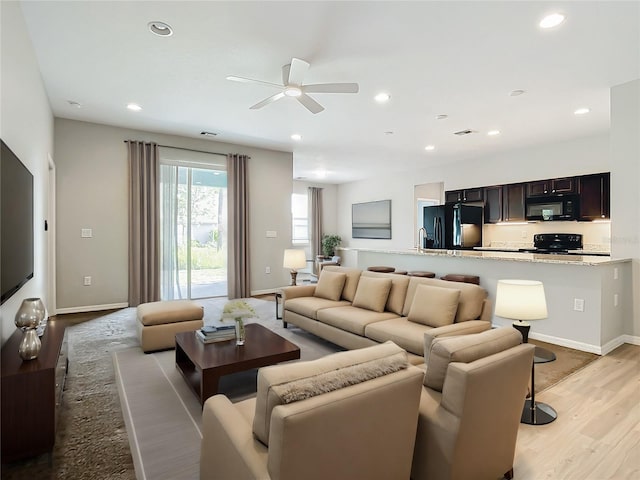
(521, 300)
(294, 259)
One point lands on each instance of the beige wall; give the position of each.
(26, 126)
(92, 193)
(625, 194)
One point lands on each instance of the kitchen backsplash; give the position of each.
(596, 237)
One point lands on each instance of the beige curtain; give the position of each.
(315, 222)
(238, 276)
(144, 221)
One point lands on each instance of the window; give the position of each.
(299, 219)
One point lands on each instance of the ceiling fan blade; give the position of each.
(310, 103)
(233, 78)
(331, 88)
(294, 74)
(267, 101)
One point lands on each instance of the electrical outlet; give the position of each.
(578, 304)
(87, 281)
(615, 299)
(267, 270)
(615, 273)
(86, 233)
(272, 234)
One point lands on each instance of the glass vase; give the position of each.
(240, 334)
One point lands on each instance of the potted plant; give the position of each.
(329, 244)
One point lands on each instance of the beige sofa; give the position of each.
(354, 309)
(324, 419)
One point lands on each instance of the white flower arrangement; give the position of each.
(238, 309)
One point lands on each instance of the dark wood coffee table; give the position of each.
(202, 364)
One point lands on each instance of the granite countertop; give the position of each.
(514, 255)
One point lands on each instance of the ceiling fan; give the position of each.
(292, 76)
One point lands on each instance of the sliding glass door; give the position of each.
(193, 232)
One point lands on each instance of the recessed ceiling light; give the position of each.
(292, 92)
(296, 136)
(552, 20)
(389, 132)
(73, 103)
(516, 93)
(134, 107)
(442, 116)
(382, 97)
(582, 111)
(160, 28)
(208, 134)
(493, 133)
(430, 148)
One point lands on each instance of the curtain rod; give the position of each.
(190, 149)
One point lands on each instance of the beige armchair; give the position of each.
(472, 399)
(350, 415)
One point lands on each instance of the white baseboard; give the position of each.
(632, 339)
(586, 347)
(90, 308)
(263, 292)
(563, 342)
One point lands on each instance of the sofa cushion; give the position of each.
(372, 293)
(309, 306)
(330, 285)
(470, 303)
(434, 306)
(351, 283)
(402, 332)
(398, 292)
(465, 349)
(352, 319)
(269, 377)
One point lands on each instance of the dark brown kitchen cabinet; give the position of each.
(513, 198)
(464, 196)
(594, 192)
(551, 186)
(493, 204)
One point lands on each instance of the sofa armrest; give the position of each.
(228, 448)
(462, 328)
(296, 291)
(487, 311)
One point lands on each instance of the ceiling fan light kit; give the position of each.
(292, 86)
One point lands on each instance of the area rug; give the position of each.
(92, 440)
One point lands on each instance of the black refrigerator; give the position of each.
(453, 226)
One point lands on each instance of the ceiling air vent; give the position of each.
(463, 132)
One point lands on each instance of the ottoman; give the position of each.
(158, 322)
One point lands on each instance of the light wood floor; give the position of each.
(597, 433)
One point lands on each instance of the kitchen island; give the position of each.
(602, 285)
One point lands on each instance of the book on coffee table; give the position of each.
(219, 337)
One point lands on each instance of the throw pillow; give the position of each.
(372, 293)
(330, 285)
(465, 349)
(434, 306)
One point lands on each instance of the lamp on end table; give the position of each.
(294, 259)
(523, 300)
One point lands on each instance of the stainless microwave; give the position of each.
(556, 207)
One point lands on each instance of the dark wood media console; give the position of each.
(31, 394)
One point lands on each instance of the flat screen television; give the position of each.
(371, 219)
(16, 223)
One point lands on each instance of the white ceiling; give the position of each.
(456, 58)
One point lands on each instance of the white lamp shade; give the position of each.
(521, 300)
(294, 258)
